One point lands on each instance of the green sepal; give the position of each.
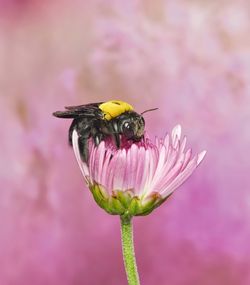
(100, 196)
(149, 206)
(124, 197)
(125, 203)
(116, 206)
(150, 203)
(134, 207)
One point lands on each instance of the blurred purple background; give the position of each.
(189, 58)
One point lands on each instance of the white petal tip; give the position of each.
(176, 132)
(75, 139)
(201, 156)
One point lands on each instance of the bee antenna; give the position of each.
(149, 110)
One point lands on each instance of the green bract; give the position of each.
(124, 203)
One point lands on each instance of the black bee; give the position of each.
(100, 120)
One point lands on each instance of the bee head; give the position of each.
(131, 125)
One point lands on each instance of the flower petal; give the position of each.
(183, 176)
(145, 169)
(83, 167)
(176, 135)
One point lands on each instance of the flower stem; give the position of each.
(128, 251)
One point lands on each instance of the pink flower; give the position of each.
(135, 179)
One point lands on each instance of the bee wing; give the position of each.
(87, 111)
(66, 114)
(83, 107)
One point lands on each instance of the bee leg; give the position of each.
(71, 129)
(83, 147)
(116, 137)
(98, 138)
(84, 134)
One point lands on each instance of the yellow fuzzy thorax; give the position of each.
(114, 108)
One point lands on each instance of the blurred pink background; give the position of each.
(189, 58)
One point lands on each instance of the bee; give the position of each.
(101, 120)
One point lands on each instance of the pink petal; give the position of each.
(144, 168)
(176, 135)
(120, 168)
(181, 177)
(201, 156)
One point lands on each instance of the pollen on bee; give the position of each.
(112, 109)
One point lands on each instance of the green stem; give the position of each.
(128, 251)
